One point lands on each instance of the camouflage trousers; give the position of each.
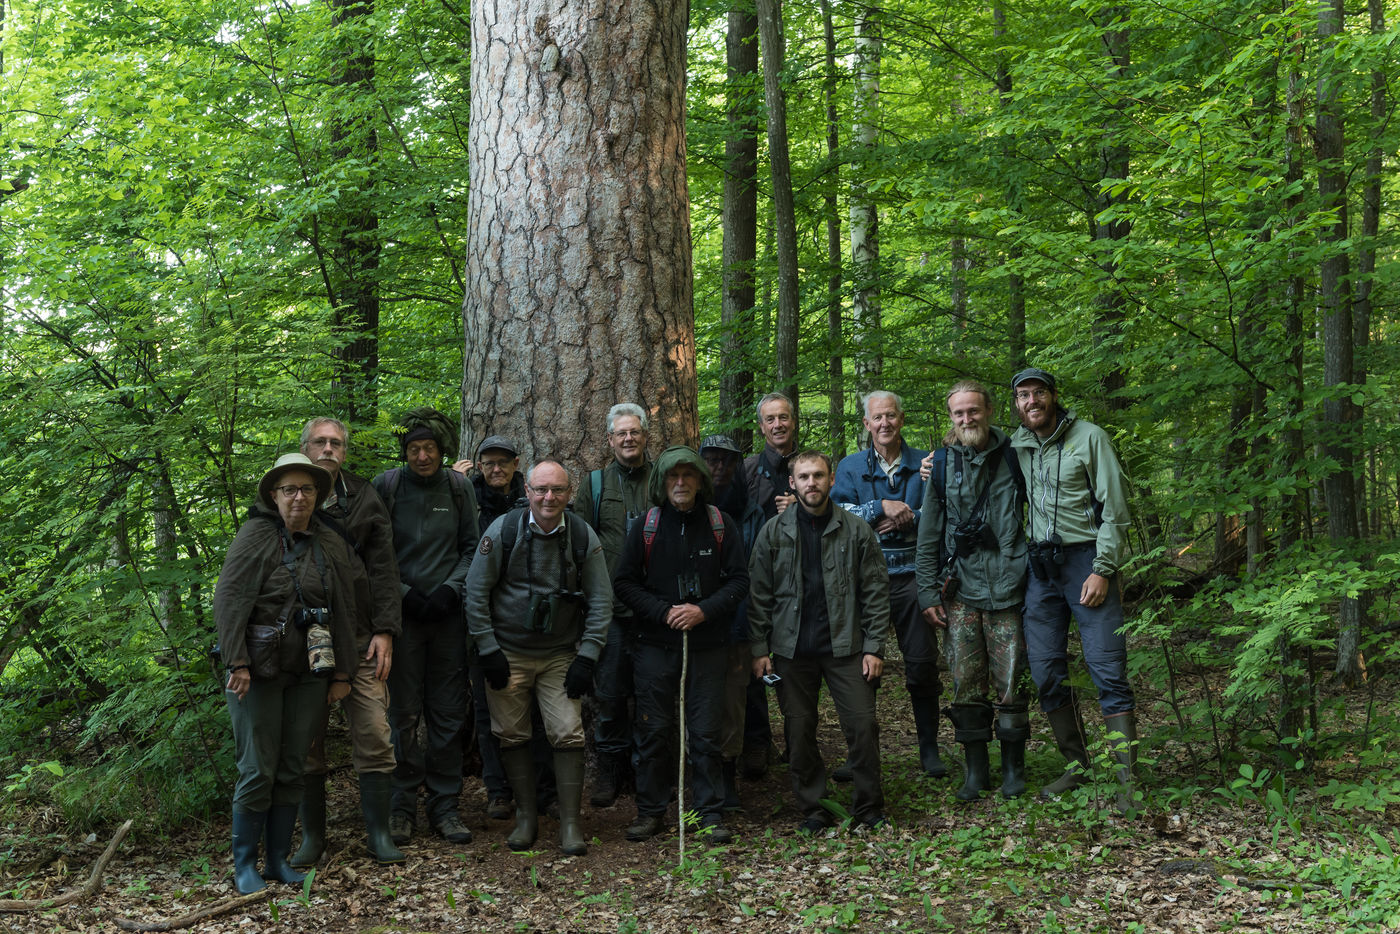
(986, 653)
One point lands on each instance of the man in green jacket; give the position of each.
(612, 499)
(1077, 534)
(971, 570)
(819, 609)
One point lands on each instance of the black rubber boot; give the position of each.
(568, 777)
(730, 770)
(520, 772)
(926, 725)
(1068, 728)
(281, 820)
(375, 789)
(1013, 729)
(313, 824)
(247, 834)
(1125, 755)
(972, 726)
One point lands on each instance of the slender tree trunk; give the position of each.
(356, 248)
(578, 230)
(1015, 283)
(957, 294)
(836, 394)
(1109, 231)
(740, 224)
(1334, 298)
(770, 32)
(1366, 255)
(865, 214)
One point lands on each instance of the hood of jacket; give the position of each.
(673, 457)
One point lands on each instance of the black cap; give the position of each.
(1035, 373)
(719, 443)
(496, 443)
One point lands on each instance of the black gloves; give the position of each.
(415, 603)
(443, 602)
(496, 669)
(578, 681)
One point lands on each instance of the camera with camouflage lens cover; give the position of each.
(320, 652)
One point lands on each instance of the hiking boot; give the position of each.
(643, 828)
(400, 828)
(716, 831)
(452, 829)
(499, 808)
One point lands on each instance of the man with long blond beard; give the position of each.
(971, 570)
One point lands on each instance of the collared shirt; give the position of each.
(889, 467)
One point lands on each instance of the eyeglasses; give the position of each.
(543, 491)
(628, 433)
(1025, 395)
(292, 492)
(494, 465)
(327, 442)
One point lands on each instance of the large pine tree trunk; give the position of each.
(770, 32)
(578, 233)
(740, 223)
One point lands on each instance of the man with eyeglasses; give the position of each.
(433, 511)
(500, 487)
(359, 515)
(539, 602)
(612, 500)
(1077, 539)
(881, 485)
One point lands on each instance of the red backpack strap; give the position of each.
(653, 519)
(716, 525)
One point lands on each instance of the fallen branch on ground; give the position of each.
(194, 917)
(93, 883)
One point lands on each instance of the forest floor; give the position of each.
(1190, 862)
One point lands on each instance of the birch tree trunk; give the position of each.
(865, 215)
(835, 367)
(578, 233)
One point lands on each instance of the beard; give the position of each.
(975, 438)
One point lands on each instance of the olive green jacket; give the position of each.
(853, 571)
(990, 578)
(1061, 473)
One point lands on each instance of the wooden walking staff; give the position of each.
(680, 774)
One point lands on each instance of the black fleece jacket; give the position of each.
(684, 543)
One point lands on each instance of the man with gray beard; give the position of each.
(971, 571)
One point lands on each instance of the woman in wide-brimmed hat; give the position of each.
(285, 587)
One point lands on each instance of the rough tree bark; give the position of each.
(740, 223)
(835, 367)
(770, 33)
(1334, 301)
(356, 246)
(865, 214)
(578, 232)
